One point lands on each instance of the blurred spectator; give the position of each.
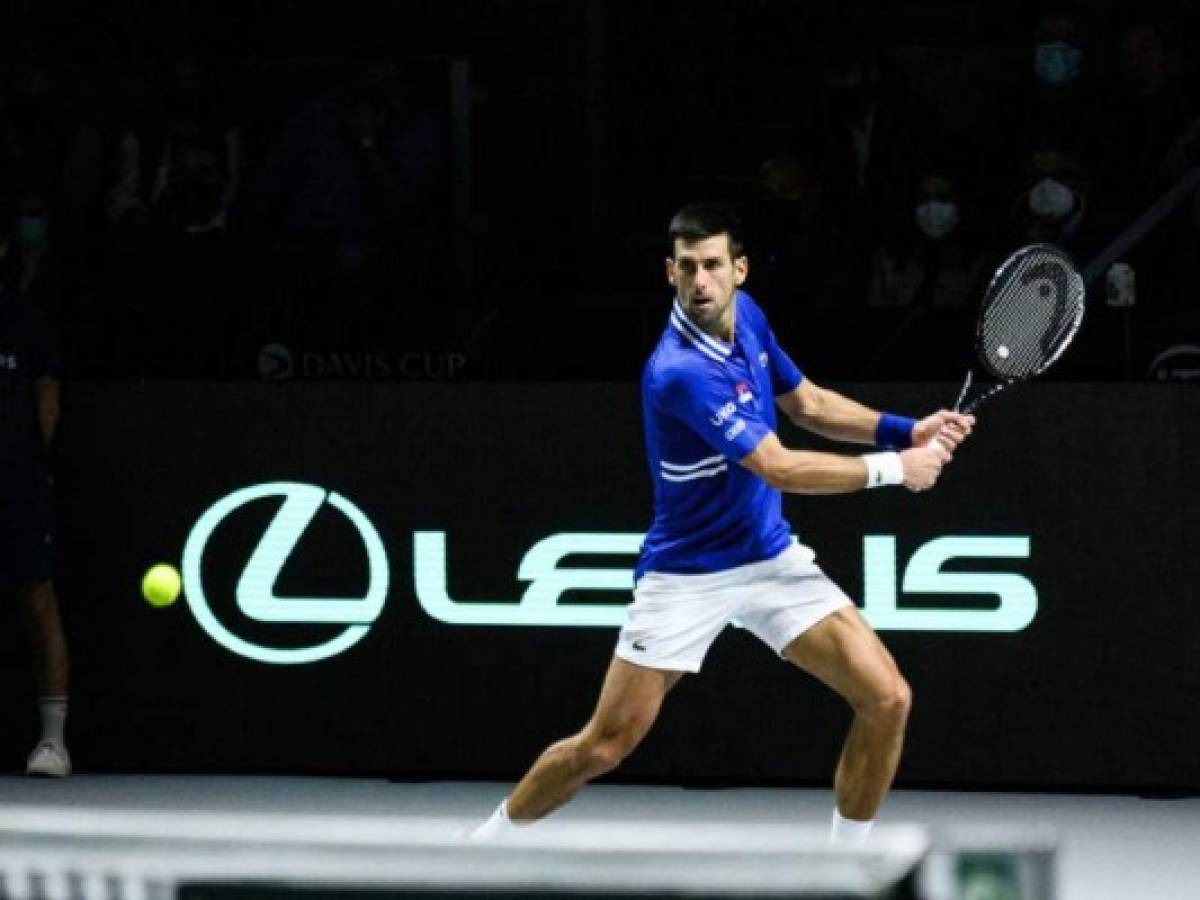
(183, 169)
(1052, 204)
(797, 249)
(1058, 48)
(812, 225)
(34, 138)
(30, 242)
(175, 180)
(926, 276)
(352, 187)
(871, 131)
(936, 259)
(55, 135)
(1146, 117)
(1054, 99)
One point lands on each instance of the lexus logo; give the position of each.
(255, 593)
(887, 577)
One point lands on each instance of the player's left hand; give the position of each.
(949, 428)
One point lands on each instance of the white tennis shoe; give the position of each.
(49, 758)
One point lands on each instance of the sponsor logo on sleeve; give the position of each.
(721, 415)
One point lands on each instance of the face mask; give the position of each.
(936, 218)
(1051, 198)
(1057, 62)
(30, 233)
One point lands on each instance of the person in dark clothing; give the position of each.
(29, 407)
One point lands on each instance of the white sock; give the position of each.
(496, 828)
(54, 718)
(849, 832)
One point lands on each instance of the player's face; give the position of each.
(706, 277)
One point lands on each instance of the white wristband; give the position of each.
(883, 469)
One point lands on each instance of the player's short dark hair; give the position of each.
(698, 221)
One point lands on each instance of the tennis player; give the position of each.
(719, 548)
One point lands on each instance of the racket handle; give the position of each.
(962, 395)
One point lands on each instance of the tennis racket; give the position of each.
(1030, 314)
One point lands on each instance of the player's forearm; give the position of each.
(842, 419)
(808, 472)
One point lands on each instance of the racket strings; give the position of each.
(1029, 315)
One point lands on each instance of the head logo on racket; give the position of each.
(1031, 312)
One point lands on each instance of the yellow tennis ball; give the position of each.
(161, 584)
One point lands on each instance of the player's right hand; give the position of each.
(923, 465)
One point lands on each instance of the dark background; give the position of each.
(1093, 694)
(510, 250)
(539, 149)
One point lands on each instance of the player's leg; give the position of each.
(629, 703)
(669, 627)
(48, 648)
(843, 652)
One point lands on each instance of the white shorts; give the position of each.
(674, 619)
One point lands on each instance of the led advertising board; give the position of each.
(427, 580)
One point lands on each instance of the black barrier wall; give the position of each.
(459, 555)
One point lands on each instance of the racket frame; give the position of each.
(1063, 342)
